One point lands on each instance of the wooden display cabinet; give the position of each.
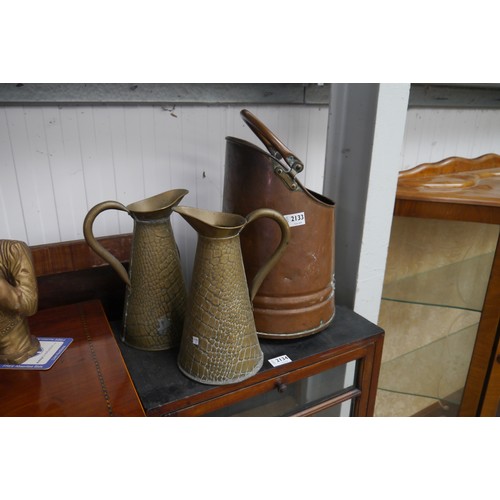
(331, 373)
(443, 272)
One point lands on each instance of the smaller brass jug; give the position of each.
(219, 343)
(155, 297)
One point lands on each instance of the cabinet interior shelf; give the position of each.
(432, 302)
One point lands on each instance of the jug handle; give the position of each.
(95, 245)
(273, 259)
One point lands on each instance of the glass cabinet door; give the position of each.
(298, 396)
(436, 279)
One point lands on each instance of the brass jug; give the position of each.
(155, 297)
(219, 343)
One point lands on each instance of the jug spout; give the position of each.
(158, 206)
(212, 224)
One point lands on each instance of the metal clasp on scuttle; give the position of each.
(288, 171)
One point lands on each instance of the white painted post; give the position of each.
(385, 164)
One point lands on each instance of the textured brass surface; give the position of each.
(219, 341)
(18, 300)
(155, 296)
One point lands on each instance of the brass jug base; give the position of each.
(235, 380)
(165, 347)
(20, 357)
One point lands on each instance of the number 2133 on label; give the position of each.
(298, 219)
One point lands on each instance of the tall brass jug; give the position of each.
(219, 342)
(155, 297)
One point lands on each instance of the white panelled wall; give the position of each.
(56, 162)
(434, 134)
